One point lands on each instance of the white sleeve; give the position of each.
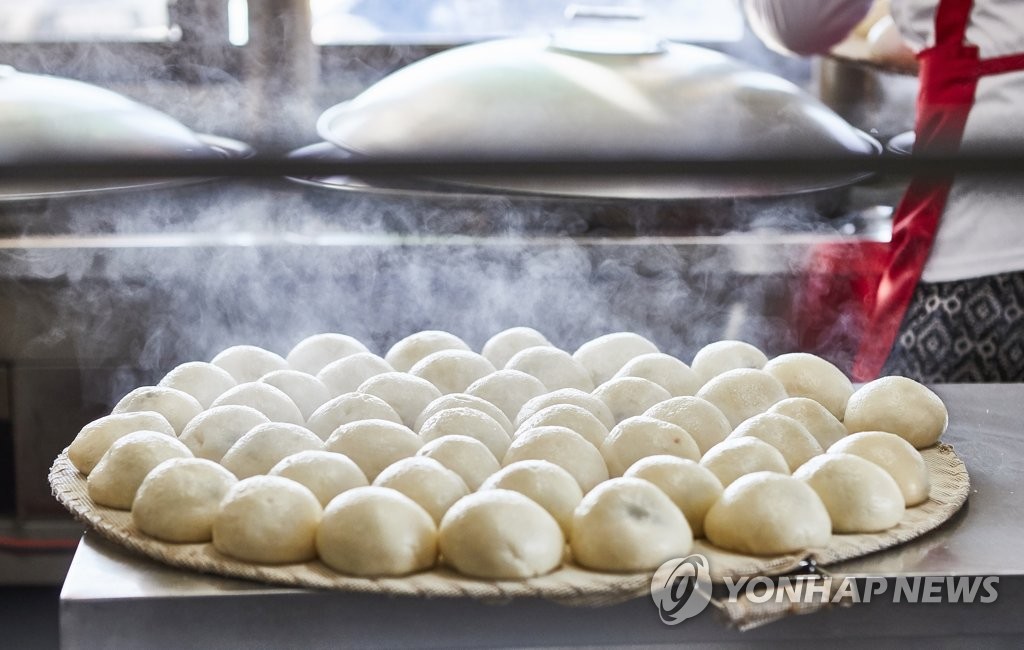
(916, 21)
(804, 26)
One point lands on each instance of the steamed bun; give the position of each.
(893, 454)
(569, 416)
(211, 433)
(500, 535)
(374, 444)
(116, 478)
(505, 344)
(765, 513)
(268, 400)
(553, 367)
(427, 482)
(312, 354)
(736, 457)
(819, 422)
(268, 520)
(860, 496)
(698, 417)
(409, 351)
(306, 391)
(178, 500)
(346, 374)
(452, 371)
(693, 488)
(740, 394)
(248, 362)
(347, 408)
(638, 437)
(563, 447)
(376, 531)
(177, 406)
(203, 381)
(265, 446)
(325, 473)
(405, 393)
(605, 355)
(665, 370)
(463, 400)
(470, 422)
(553, 488)
(808, 375)
(898, 405)
(467, 457)
(722, 356)
(784, 433)
(508, 390)
(628, 525)
(567, 396)
(627, 397)
(96, 437)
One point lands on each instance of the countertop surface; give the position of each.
(112, 598)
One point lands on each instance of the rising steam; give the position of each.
(141, 282)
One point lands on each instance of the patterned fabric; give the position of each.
(963, 331)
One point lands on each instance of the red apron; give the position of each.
(949, 76)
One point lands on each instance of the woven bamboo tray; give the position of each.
(571, 584)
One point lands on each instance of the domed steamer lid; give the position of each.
(44, 118)
(587, 94)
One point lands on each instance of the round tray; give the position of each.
(571, 584)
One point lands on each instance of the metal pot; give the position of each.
(586, 94)
(871, 97)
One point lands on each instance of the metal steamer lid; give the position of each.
(44, 118)
(593, 94)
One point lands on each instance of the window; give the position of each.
(86, 20)
(341, 22)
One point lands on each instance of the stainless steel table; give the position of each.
(113, 599)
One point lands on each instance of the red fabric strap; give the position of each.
(949, 77)
(951, 20)
(1001, 64)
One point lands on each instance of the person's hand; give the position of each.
(886, 45)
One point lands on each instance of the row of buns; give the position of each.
(494, 462)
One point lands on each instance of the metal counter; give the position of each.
(113, 599)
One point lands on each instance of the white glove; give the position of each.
(804, 26)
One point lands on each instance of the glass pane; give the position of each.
(455, 21)
(84, 20)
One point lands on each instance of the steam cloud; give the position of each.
(179, 274)
(142, 302)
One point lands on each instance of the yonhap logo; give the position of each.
(681, 588)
